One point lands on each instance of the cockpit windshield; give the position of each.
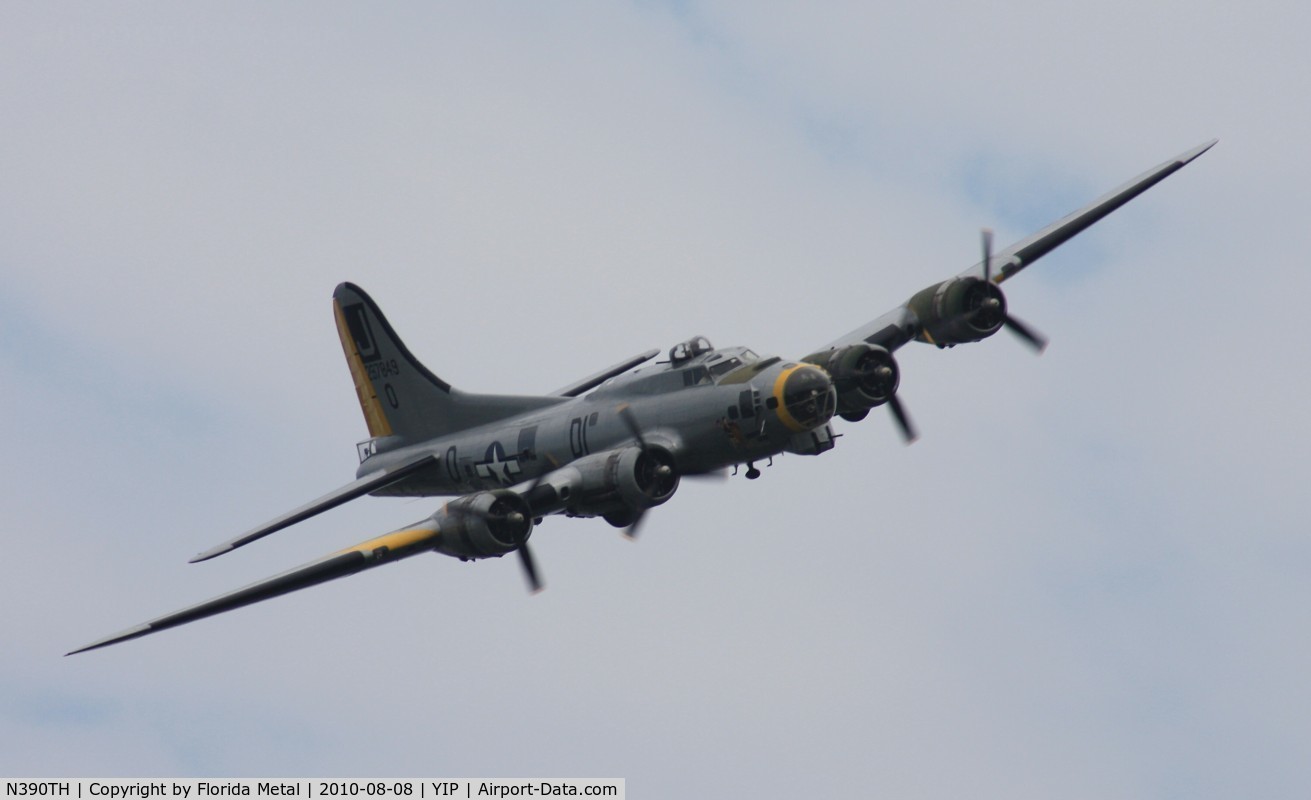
(725, 366)
(727, 361)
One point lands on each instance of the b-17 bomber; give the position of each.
(616, 444)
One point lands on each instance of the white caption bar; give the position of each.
(306, 788)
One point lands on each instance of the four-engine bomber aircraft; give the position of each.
(616, 444)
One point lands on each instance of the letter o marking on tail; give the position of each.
(392, 400)
(452, 465)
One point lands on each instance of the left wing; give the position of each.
(394, 546)
(336, 497)
(915, 318)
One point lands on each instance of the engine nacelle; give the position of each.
(864, 375)
(483, 525)
(620, 483)
(958, 311)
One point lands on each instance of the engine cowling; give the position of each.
(958, 311)
(864, 375)
(621, 483)
(484, 525)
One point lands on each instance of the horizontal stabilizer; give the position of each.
(350, 491)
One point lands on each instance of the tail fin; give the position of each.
(399, 396)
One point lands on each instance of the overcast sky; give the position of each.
(1089, 578)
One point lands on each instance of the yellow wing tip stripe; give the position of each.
(397, 540)
(374, 417)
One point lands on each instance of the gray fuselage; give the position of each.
(711, 410)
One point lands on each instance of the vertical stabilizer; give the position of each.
(393, 387)
(399, 396)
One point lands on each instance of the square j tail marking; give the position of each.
(358, 322)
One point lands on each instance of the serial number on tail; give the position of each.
(384, 369)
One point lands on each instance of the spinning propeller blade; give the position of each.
(1030, 337)
(661, 471)
(907, 428)
(525, 554)
(530, 569)
(630, 422)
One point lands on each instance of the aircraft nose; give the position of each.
(805, 397)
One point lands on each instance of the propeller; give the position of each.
(517, 518)
(992, 304)
(886, 375)
(525, 554)
(662, 471)
(530, 569)
(908, 431)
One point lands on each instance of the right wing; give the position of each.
(902, 324)
(966, 308)
(1024, 252)
(332, 499)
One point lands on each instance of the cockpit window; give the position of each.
(725, 366)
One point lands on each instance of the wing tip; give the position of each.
(213, 552)
(122, 636)
(1197, 151)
